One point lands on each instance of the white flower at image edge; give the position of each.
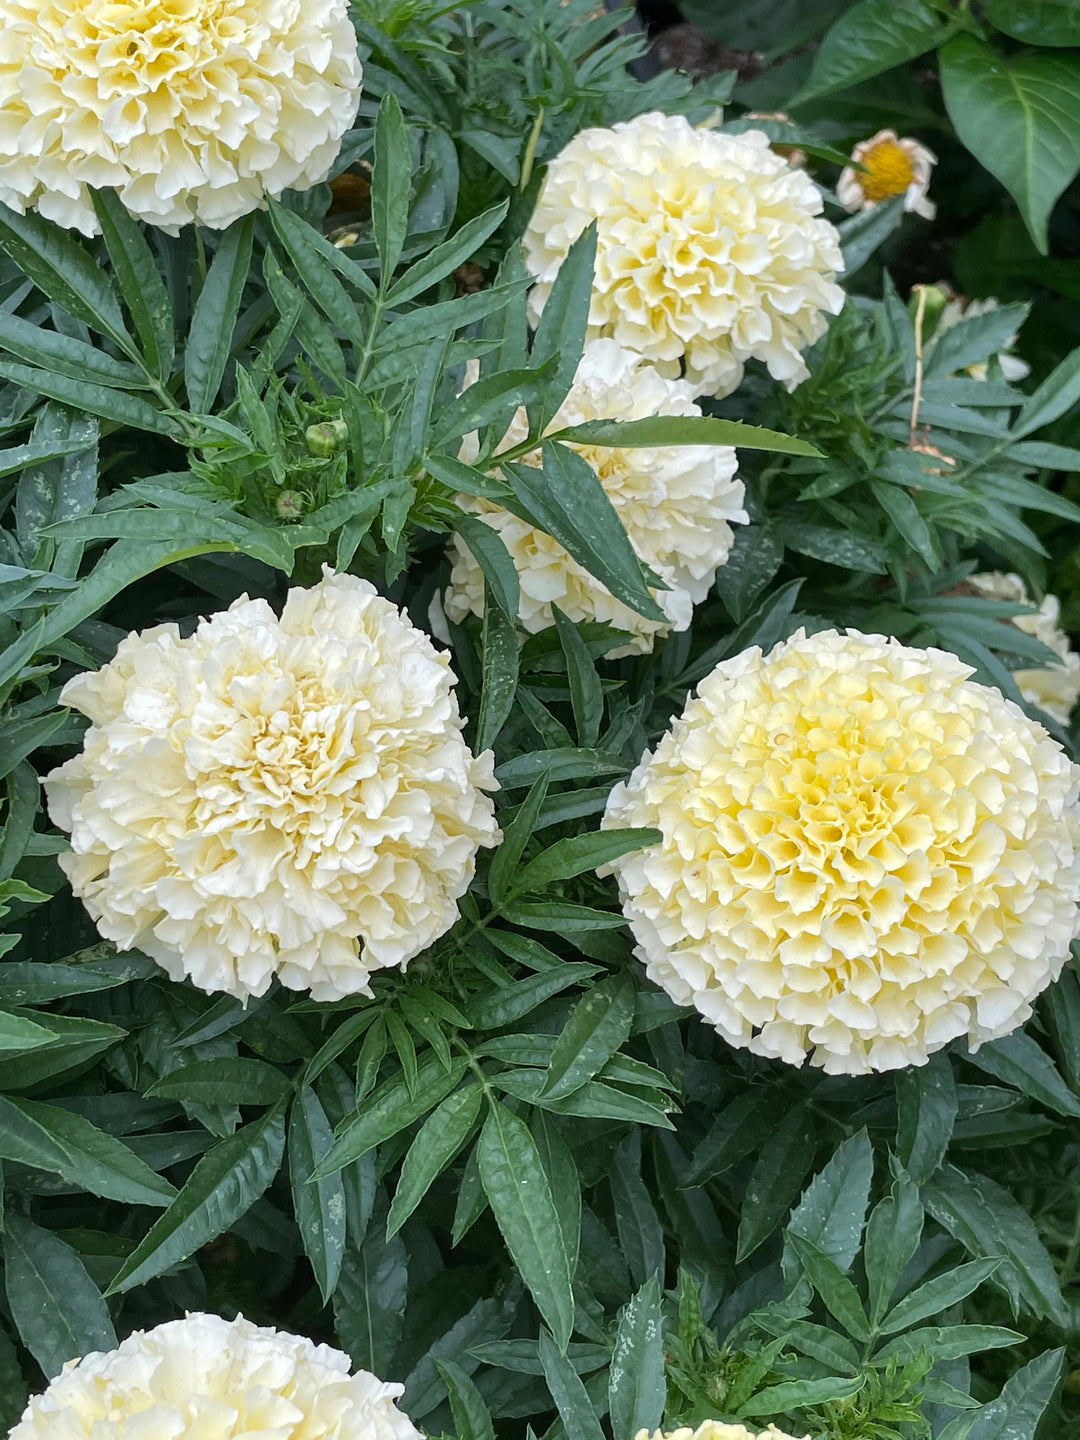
(270, 797)
(865, 854)
(1054, 688)
(711, 249)
(191, 111)
(677, 503)
(718, 1430)
(207, 1377)
(890, 166)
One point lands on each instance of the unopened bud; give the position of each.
(326, 438)
(290, 505)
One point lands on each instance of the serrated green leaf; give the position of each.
(57, 1308)
(597, 1026)
(637, 1391)
(440, 1138)
(319, 1206)
(391, 1108)
(209, 341)
(519, 1194)
(139, 279)
(223, 1186)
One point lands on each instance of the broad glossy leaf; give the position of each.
(597, 1026)
(636, 1386)
(1036, 22)
(988, 1221)
(1019, 115)
(1016, 1413)
(210, 338)
(391, 1108)
(500, 672)
(139, 280)
(519, 1194)
(50, 1138)
(319, 1206)
(223, 1186)
(57, 1308)
(1020, 1061)
(872, 36)
(683, 430)
(572, 1401)
(438, 1141)
(63, 270)
(224, 1082)
(390, 180)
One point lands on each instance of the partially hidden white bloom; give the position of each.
(677, 502)
(957, 308)
(205, 1378)
(1054, 688)
(865, 854)
(192, 110)
(717, 1430)
(891, 166)
(711, 249)
(268, 797)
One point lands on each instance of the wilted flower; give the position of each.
(864, 855)
(1054, 688)
(191, 111)
(717, 1430)
(891, 167)
(711, 250)
(207, 1377)
(270, 797)
(677, 502)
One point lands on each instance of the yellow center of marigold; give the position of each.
(888, 171)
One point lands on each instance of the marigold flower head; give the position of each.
(677, 502)
(189, 109)
(207, 1377)
(711, 249)
(891, 167)
(717, 1430)
(1054, 688)
(865, 854)
(270, 797)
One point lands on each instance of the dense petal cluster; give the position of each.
(211, 1379)
(189, 109)
(678, 504)
(717, 1430)
(889, 166)
(1054, 688)
(865, 854)
(711, 249)
(270, 797)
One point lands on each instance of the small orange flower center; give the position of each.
(888, 171)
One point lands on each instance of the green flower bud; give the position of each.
(326, 438)
(291, 505)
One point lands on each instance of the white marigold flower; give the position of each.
(270, 797)
(891, 166)
(190, 111)
(207, 1377)
(865, 854)
(677, 502)
(1054, 688)
(711, 248)
(717, 1430)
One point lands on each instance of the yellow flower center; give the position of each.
(888, 171)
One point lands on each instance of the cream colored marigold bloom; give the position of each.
(189, 109)
(711, 249)
(891, 166)
(677, 502)
(270, 797)
(717, 1430)
(865, 854)
(1054, 688)
(210, 1379)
